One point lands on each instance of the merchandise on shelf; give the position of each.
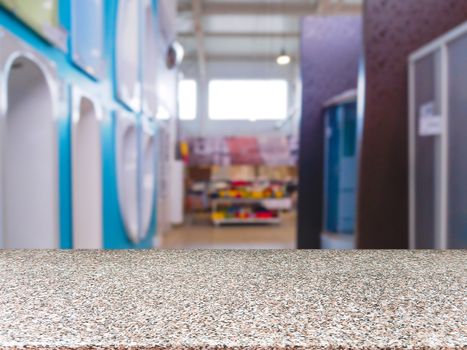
(251, 190)
(243, 212)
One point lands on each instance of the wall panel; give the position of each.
(392, 30)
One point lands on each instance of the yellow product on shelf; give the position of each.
(257, 195)
(279, 194)
(184, 149)
(218, 215)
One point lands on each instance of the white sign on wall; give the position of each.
(429, 122)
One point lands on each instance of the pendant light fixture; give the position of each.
(283, 59)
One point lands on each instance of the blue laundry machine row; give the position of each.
(78, 152)
(341, 160)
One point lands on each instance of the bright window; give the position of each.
(187, 99)
(248, 99)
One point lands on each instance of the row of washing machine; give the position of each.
(78, 166)
(30, 170)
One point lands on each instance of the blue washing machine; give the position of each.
(341, 161)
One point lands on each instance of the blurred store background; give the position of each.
(263, 124)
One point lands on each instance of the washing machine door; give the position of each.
(29, 108)
(128, 53)
(148, 180)
(127, 173)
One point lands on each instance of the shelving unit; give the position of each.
(241, 195)
(242, 203)
(250, 221)
(268, 203)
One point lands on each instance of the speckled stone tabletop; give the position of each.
(233, 300)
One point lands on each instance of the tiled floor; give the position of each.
(201, 234)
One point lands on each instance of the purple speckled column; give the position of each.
(393, 29)
(331, 48)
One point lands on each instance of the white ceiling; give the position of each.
(248, 30)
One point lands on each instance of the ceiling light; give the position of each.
(283, 59)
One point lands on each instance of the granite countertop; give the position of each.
(233, 300)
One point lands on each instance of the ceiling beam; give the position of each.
(199, 34)
(277, 35)
(254, 8)
(237, 57)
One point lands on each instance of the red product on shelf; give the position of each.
(264, 215)
(240, 183)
